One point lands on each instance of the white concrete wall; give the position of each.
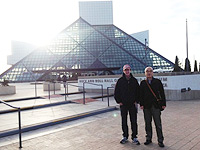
(172, 85)
(169, 82)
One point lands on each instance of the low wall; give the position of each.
(7, 90)
(178, 95)
(53, 86)
(170, 94)
(173, 84)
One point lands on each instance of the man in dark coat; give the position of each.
(127, 96)
(150, 105)
(64, 79)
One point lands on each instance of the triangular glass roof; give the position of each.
(83, 46)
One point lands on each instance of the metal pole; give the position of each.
(187, 62)
(65, 92)
(20, 132)
(35, 89)
(102, 91)
(54, 87)
(108, 96)
(84, 93)
(67, 88)
(49, 90)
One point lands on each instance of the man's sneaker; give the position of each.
(161, 144)
(147, 142)
(135, 141)
(123, 140)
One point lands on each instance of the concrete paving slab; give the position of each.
(180, 121)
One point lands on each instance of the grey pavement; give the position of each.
(35, 116)
(181, 127)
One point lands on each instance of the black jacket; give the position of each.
(147, 99)
(127, 91)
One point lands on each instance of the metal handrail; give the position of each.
(108, 95)
(92, 84)
(74, 85)
(66, 92)
(19, 117)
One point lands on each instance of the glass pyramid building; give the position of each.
(82, 47)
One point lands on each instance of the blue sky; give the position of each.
(37, 21)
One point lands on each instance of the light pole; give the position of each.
(187, 61)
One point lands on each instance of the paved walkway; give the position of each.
(181, 127)
(35, 116)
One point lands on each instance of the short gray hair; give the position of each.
(148, 68)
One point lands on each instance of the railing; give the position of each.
(19, 117)
(68, 87)
(108, 95)
(49, 91)
(92, 84)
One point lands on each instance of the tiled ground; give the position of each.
(181, 127)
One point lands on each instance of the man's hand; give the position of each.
(142, 107)
(120, 104)
(163, 107)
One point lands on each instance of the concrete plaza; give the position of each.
(181, 127)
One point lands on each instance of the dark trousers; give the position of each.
(133, 119)
(156, 115)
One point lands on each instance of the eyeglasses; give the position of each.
(127, 69)
(149, 71)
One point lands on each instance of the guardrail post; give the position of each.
(20, 131)
(49, 90)
(67, 88)
(35, 89)
(83, 92)
(102, 91)
(65, 92)
(54, 88)
(108, 96)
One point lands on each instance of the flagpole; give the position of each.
(187, 63)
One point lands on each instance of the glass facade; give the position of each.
(85, 46)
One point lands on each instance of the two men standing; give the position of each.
(128, 93)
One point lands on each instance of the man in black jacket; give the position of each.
(127, 96)
(151, 90)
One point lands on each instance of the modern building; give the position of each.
(19, 50)
(82, 47)
(101, 13)
(142, 36)
(96, 12)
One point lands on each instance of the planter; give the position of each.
(52, 86)
(7, 90)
